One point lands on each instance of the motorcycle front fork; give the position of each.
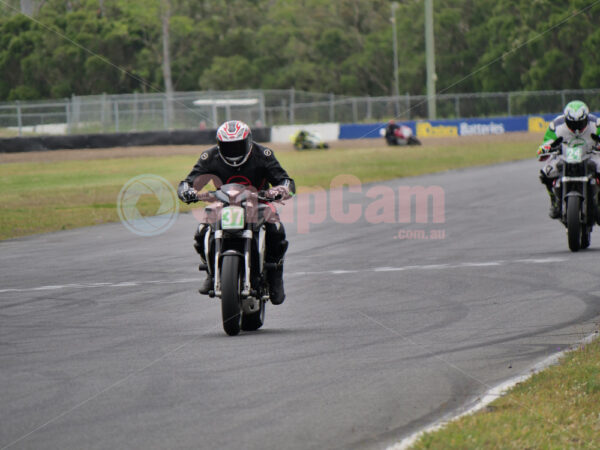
(591, 191)
(246, 285)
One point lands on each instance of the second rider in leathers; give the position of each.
(575, 126)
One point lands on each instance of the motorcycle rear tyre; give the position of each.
(230, 295)
(586, 237)
(252, 322)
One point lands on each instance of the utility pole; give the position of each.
(165, 18)
(27, 7)
(395, 41)
(430, 58)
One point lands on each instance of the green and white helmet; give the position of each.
(576, 116)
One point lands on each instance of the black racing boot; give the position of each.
(275, 279)
(207, 285)
(554, 212)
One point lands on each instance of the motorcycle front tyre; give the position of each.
(230, 294)
(573, 223)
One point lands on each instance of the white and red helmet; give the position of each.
(234, 140)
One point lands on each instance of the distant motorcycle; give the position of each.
(401, 135)
(304, 140)
(235, 253)
(577, 189)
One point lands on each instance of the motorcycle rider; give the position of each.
(390, 132)
(301, 140)
(575, 126)
(238, 159)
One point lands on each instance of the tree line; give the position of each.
(56, 48)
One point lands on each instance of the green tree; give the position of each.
(343, 46)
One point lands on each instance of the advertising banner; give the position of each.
(454, 127)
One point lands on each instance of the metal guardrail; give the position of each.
(207, 109)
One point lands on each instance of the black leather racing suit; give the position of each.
(261, 171)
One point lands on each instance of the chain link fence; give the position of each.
(199, 110)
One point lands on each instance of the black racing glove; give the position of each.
(186, 193)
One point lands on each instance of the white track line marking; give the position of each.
(123, 284)
(434, 266)
(487, 398)
(101, 285)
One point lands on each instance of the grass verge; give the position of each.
(554, 409)
(6, 133)
(37, 197)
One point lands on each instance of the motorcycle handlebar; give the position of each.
(260, 195)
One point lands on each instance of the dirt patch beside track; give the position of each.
(138, 152)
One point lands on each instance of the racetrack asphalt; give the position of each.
(104, 342)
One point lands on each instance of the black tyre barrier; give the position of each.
(110, 140)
